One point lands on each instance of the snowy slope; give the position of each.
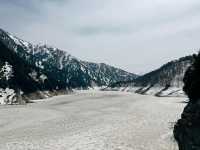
(50, 58)
(105, 74)
(165, 81)
(22, 77)
(49, 68)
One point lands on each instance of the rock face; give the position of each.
(43, 69)
(164, 81)
(187, 129)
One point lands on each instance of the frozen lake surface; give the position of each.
(91, 120)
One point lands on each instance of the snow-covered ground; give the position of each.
(91, 120)
(148, 90)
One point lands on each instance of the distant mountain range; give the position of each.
(39, 71)
(29, 71)
(165, 81)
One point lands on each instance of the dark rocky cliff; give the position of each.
(187, 129)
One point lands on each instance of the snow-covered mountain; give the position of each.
(18, 76)
(165, 81)
(104, 74)
(53, 69)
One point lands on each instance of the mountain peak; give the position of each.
(46, 67)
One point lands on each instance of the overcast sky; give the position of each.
(135, 35)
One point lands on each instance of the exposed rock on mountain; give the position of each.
(165, 81)
(187, 129)
(39, 68)
(105, 74)
(16, 75)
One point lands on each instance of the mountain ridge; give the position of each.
(62, 70)
(164, 81)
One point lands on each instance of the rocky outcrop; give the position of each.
(187, 129)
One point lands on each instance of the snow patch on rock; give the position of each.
(7, 71)
(7, 96)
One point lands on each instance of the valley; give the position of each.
(89, 120)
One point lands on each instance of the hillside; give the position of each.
(165, 81)
(49, 69)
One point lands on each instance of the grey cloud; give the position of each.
(118, 32)
(95, 30)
